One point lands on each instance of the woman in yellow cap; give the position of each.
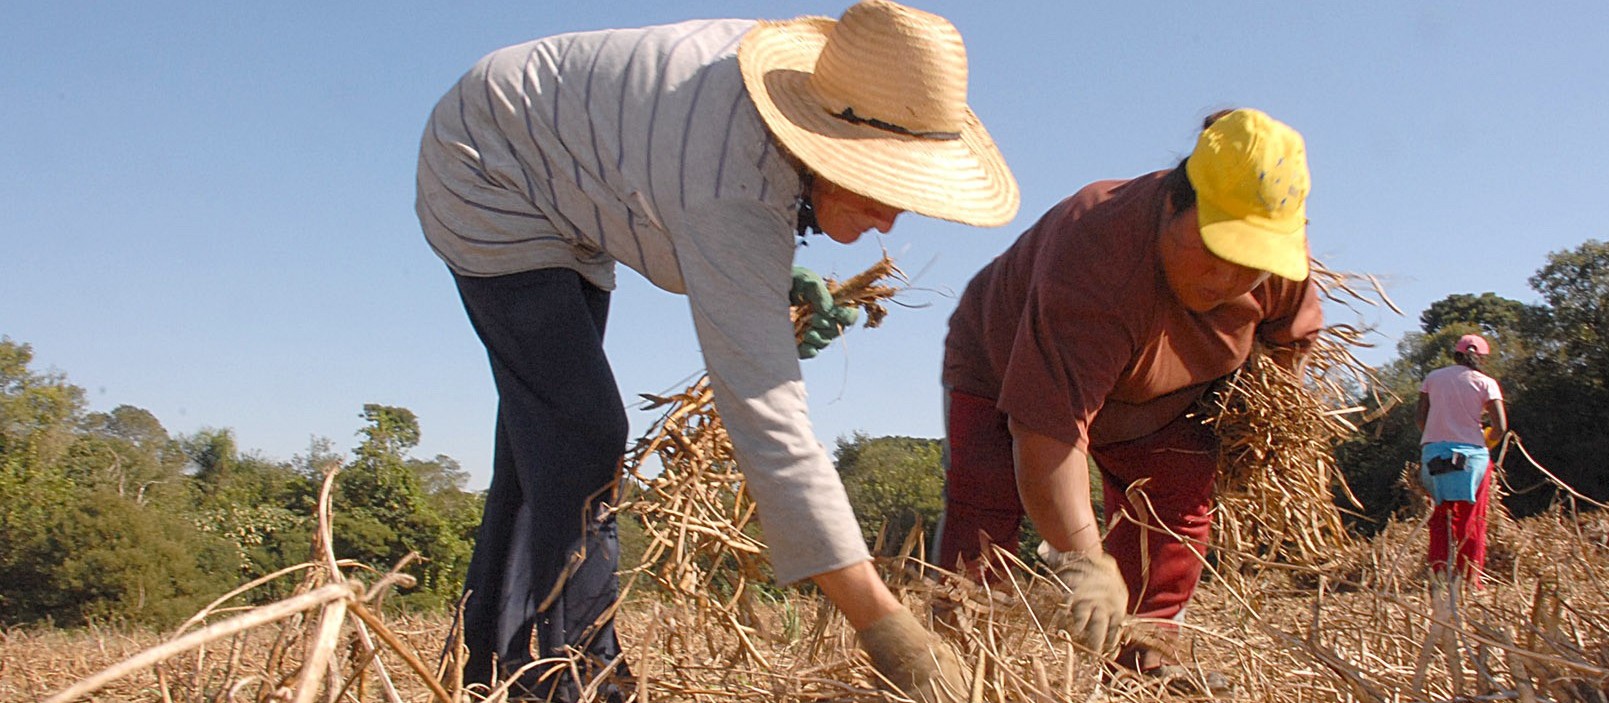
(692, 153)
(1093, 336)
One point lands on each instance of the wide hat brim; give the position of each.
(1276, 246)
(963, 180)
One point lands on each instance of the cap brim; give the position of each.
(1276, 246)
(963, 180)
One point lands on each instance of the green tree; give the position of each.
(112, 559)
(1560, 395)
(213, 455)
(894, 484)
(38, 412)
(1496, 317)
(127, 451)
(263, 508)
(391, 432)
(383, 510)
(1575, 285)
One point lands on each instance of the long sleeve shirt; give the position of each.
(642, 146)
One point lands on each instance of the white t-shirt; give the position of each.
(1458, 394)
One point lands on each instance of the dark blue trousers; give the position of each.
(543, 571)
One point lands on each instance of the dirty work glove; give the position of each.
(827, 320)
(1098, 600)
(923, 667)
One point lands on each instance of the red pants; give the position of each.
(1462, 523)
(982, 506)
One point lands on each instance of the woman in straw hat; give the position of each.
(692, 153)
(1093, 336)
(1455, 456)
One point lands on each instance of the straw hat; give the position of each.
(876, 103)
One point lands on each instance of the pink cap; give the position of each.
(1472, 343)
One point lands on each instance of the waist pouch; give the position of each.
(1453, 470)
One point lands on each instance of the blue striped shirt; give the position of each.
(642, 146)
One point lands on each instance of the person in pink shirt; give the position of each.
(1455, 460)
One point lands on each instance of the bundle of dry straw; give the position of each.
(1277, 429)
(691, 501)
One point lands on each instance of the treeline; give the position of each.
(106, 516)
(110, 518)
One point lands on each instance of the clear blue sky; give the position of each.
(206, 209)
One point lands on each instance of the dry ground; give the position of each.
(1353, 631)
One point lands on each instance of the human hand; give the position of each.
(827, 320)
(920, 665)
(1097, 600)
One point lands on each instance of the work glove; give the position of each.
(827, 320)
(1097, 602)
(920, 665)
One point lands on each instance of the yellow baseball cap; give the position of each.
(1250, 175)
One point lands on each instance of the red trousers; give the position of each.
(1177, 465)
(1462, 523)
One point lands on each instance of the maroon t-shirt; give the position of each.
(1076, 335)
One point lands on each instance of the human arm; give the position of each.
(1496, 414)
(901, 649)
(1421, 412)
(1068, 351)
(738, 279)
(736, 263)
(1053, 481)
(1294, 317)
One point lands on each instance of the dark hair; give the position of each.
(1466, 359)
(1181, 194)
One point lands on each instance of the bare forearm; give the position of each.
(859, 593)
(1053, 481)
(1498, 416)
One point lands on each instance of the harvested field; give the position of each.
(1288, 616)
(1357, 631)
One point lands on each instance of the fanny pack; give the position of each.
(1439, 465)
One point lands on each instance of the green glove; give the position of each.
(827, 321)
